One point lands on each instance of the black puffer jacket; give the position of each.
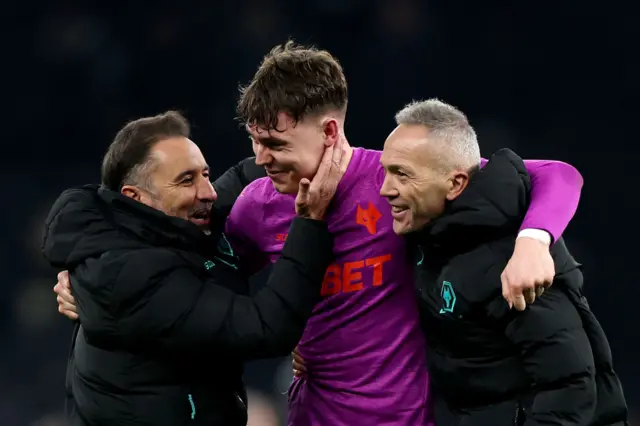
(165, 320)
(491, 366)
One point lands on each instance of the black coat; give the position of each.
(166, 322)
(548, 365)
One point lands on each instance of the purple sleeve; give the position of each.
(555, 193)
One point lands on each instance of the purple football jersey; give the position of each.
(363, 347)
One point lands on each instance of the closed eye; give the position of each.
(402, 176)
(397, 171)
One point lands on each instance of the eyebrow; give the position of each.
(395, 168)
(189, 172)
(268, 139)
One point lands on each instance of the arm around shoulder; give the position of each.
(555, 195)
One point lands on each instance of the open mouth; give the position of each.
(201, 217)
(398, 212)
(272, 173)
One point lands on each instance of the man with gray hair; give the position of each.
(489, 365)
(454, 144)
(450, 127)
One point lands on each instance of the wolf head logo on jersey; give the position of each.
(368, 217)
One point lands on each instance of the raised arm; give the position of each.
(182, 313)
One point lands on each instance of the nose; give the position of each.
(387, 189)
(263, 155)
(206, 192)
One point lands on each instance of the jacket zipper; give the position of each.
(193, 406)
(244, 406)
(517, 421)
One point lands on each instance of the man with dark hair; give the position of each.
(130, 167)
(165, 320)
(363, 346)
(126, 159)
(298, 92)
(314, 78)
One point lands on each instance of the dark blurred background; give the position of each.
(555, 82)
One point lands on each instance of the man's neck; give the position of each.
(348, 153)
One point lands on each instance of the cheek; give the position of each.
(183, 200)
(315, 155)
(303, 158)
(285, 158)
(432, 203)
(306, 163)
(310, 163)
(422, 201)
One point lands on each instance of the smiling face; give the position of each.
(179, 184)
(292, 150)
(417, 181)
(293, 107)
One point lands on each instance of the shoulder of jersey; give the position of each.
(370, 159)
(369, 166)
(257, 189)
(371, 153)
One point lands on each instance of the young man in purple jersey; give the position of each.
(363, 347)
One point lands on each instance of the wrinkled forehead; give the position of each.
(173, 156)
(414, 153)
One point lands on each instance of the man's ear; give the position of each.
(458, 181)
(330, 130)
(138, 194)
(131, 192)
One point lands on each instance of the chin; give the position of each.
(408, 227)
(401, 228)
(285, 187)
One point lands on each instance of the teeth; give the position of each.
(397, 209)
